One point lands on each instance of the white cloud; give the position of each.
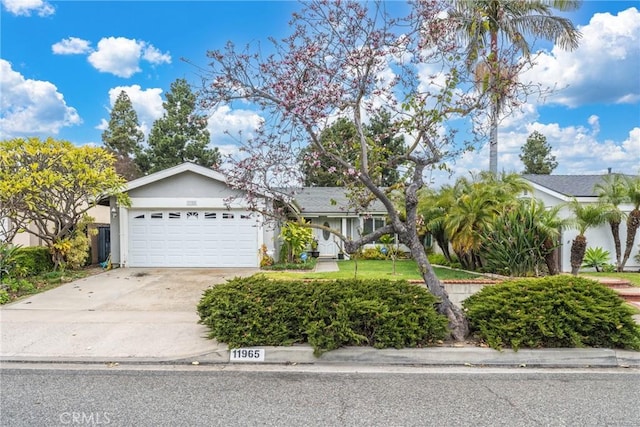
(121, 56)
(154, 56)
(71, 46)
(31, 107)
(26, 7)
(604, 68)
(225, 120)
(578, 150)
(147, 103)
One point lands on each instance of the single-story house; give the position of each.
(330, 207)
(187, 216)
(555, 190)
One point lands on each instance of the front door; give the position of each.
(327, 242)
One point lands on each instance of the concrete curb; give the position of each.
(366, 356)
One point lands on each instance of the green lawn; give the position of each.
(375, 269)
(634, 278)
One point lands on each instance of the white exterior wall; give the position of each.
(596, 237)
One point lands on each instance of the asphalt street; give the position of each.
(116, 395)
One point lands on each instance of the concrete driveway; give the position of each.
(124, 313)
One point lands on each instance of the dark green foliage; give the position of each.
(440, 259)
(557, 311)
(514, 245)
(180, 135)
(35, 260)
(10, 258)
(342, 140)
(326, 314)
(536, 155)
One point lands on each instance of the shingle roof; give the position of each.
(330, 200)
(568, 185)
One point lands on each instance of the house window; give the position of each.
(174, 215)
(192, 215)
(325, 233)
(156, 215)
(372, 224)
(210, 215)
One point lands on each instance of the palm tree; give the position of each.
(549, 225)
(633, 221)
(585, 217)
(477, 202)
(612, 191)
(484, 21)
(433, 208)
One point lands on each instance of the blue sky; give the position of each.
(63, 63)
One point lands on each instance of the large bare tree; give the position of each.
(346, 59)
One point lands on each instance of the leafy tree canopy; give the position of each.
(180, 135)
(536, 155)
(123, 137)
(51, 185)
(320, 171)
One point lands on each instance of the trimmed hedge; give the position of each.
(326, 314)
(35, 260)
(555, 311)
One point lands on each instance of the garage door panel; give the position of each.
(192, 238)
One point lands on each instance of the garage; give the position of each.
(192, 238)
(185, 216)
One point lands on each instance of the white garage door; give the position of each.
(192, 238)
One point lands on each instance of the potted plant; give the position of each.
(314, 248)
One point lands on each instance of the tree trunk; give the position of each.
(578, 248)
(458, 325)
(633, 223)
(493, 139)
(615, 231)
(551, 257)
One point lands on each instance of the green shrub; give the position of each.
(438, 259)
(555, 311)
(596, 257)
(326, 314)
(310, 264)
(35, 260)
(20, 286)
(4, 296)
(10, 257)
(372, 253)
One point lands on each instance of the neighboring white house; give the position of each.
(186, 216)
(556, 190)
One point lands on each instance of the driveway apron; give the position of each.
(124, 313)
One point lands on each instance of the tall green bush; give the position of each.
(35, 260)
(513, 244)
(297, 237)
(557, 311)
(326, 314)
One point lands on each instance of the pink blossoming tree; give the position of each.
(344, 59)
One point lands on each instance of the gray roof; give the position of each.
(568, 185)
(330, 200)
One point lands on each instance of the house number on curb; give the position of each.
(246, 355)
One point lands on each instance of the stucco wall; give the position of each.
(596, 237)
(186, 184)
